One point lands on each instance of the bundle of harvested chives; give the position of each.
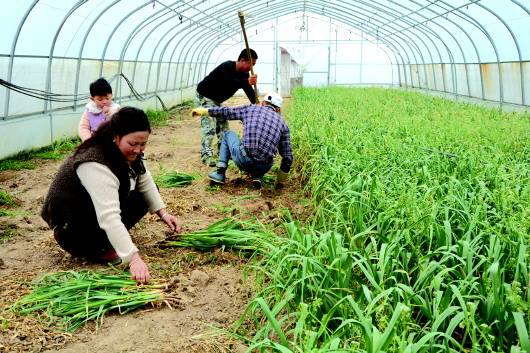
(228, 233)
(173, 179)
(78, 297)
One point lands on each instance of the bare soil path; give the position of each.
(210, 286)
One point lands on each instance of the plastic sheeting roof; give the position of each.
(419, 31)
(158, 50)
(38, 35)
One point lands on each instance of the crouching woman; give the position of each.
(102, 190)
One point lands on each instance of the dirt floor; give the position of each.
(211, 289)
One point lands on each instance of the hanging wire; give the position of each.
(65, 98)
(39, 94)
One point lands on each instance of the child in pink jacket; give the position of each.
(98, 110)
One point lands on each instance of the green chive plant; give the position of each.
(419, 239)
(6, 199)
(25, 160)
(157, 117)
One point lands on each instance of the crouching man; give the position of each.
(264, 133)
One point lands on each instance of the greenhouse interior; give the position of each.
(373, 197)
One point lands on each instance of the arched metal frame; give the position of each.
(340, 14)
(12, 53)
(213, 45)
(418, 33)
(293, 8)
(383, 48)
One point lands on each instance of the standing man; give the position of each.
(214, 89)
(264, 133)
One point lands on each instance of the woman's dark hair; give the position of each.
(125, 121)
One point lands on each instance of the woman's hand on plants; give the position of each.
(139, 270)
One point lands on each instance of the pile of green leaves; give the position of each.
(173, 179)
(74, 298)
(227, 233)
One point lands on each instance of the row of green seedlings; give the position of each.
(28, 159)
(419, 240)
(71, 299)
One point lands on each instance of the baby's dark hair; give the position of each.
(100, 87)
(243, 55)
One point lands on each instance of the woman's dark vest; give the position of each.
(68, 201)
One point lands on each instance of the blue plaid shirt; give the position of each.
(264, 132)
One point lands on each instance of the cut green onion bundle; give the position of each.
(78, 297)
(173, 179)
(226, 233)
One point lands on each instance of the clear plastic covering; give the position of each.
(469, 48)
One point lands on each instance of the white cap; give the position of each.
(274, 99)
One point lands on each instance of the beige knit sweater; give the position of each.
(102, 186)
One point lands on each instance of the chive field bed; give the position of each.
(419, 238)
(74, 298)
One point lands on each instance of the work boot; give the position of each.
(257, 183)
(217, 176)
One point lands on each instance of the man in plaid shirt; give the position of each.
(264, 133)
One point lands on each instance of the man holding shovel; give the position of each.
(217, 87)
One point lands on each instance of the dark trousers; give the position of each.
(82, 236)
